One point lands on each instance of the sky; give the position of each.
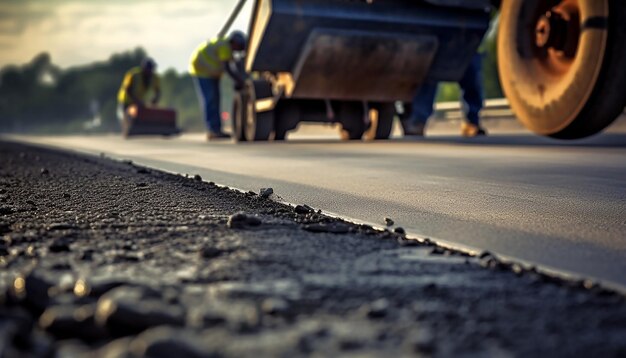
(77, 32)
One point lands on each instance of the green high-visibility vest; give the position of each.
(206, 60)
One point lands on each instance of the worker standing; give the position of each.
(137, 83)
(208, 62)
(472, 87)
(473, 95)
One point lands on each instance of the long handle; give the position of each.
(232, 18)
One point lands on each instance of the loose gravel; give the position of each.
(105, 258)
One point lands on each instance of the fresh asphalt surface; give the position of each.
(558, 204)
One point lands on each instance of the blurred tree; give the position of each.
(39, 96)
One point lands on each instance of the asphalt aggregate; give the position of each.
(556, 204)
(111, 259)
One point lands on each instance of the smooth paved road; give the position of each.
(558, 204)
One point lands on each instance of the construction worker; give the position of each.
(423, 102)
(138, 81)
(473, 98)
(208, 62)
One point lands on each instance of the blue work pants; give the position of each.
(471, 85)
(208, 90)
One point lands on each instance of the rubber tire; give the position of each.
(350, 115)
(260, 127)
(605, 102)
(237, 120)
(286, 118)
(280, 135)
(386, 115)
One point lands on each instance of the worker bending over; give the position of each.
(138, 81)
(208, 62)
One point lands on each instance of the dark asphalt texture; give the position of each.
(110, 258)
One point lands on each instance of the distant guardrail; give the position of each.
(494, 108)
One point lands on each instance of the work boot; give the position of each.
(413, 129)
(219, 135)
(472, 130)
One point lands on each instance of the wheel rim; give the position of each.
(549, 59)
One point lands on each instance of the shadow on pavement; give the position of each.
(603, 140)
(607, 140)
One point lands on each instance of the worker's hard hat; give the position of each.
(238, 38)
(148, 64)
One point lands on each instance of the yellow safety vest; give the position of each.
(133, 82)
(206, 61)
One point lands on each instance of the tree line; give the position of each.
(41, 97)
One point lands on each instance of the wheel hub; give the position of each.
(550, 30)
(558, 29)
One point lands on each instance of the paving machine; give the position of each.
(561, 62)
(150, 121)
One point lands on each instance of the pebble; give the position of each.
(61, 226)
(408, 242)
(60, 245)
(87, 255)
(211, 252)
(333, 228)
(423, 342)
(246, 320)
(303, 209)
(275, 306)
(241, 220)
(266, 192)
(377, 309)
(16, 326)
(166, 342)
(389, 222)
(44, 171)
(4, 249)
(71, 321)
(399, 230)
(203, 317)
(119, 348)
(130, 310)
(96, 287)
(197, 177)
(32, 288)
(437, 251)
(349, 344)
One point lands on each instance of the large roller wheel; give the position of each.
(386, 114)
(561, 64)
(350, 115)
